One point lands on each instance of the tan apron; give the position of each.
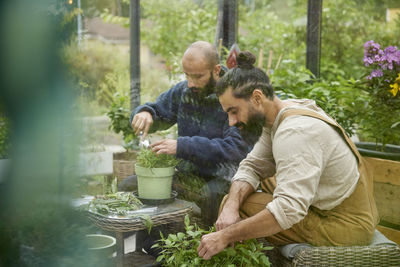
(350, 223)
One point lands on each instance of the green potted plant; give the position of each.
(379, 128)
(154, 173)
(379, 123)
(119, 116)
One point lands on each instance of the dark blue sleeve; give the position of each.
(231, 148)
(164, 110)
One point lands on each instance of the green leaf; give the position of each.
(181, 236)
(187, 220)
(394, 125)
(160, 258)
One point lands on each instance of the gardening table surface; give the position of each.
(159, 214)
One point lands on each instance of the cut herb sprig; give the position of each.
(149, 159)
(119, 203)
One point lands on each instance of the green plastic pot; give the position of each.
(368, 149)
(154, 183)
(101, 245)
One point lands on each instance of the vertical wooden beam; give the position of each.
(227, 23)
(135, 53)
(314, 22)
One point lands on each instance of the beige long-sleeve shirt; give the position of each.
(312, 162)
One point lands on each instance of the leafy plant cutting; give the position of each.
(181, 250)
(119, 203)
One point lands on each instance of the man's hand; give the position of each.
(166, 146)
(227, 218)
(142, 122)
(211, 244)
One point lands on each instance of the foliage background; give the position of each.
(266, 26)
(35, 208)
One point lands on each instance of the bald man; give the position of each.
(209, 148)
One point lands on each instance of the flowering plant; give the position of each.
(381, 119)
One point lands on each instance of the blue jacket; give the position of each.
(206, 143)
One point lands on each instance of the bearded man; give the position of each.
(210, 150)
(320, 191)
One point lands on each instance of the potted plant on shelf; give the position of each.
(119, 115)
(379, 123)
(154, 173)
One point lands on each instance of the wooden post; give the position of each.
(135, 53)
(278, 62)
(270, 54)
(314, 21)
(260, 57)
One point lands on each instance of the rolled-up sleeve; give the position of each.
(259, 163)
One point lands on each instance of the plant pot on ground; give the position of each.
(101, 245)
(154, 173)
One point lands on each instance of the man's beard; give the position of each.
(252, 129)
(208, 88)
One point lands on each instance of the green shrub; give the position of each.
(280, 26)
(5, 144)
(89, 64)
(181, 250)
(341, 99)
(168, 27)
(264, 26)
(114, 82)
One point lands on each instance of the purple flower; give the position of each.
(375, 73)
(391, 57)
(372, 53)
(390, 50)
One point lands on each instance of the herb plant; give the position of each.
(149, 159)
(181, 250)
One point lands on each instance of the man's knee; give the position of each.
(255, 203)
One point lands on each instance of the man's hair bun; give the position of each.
(246, 60)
